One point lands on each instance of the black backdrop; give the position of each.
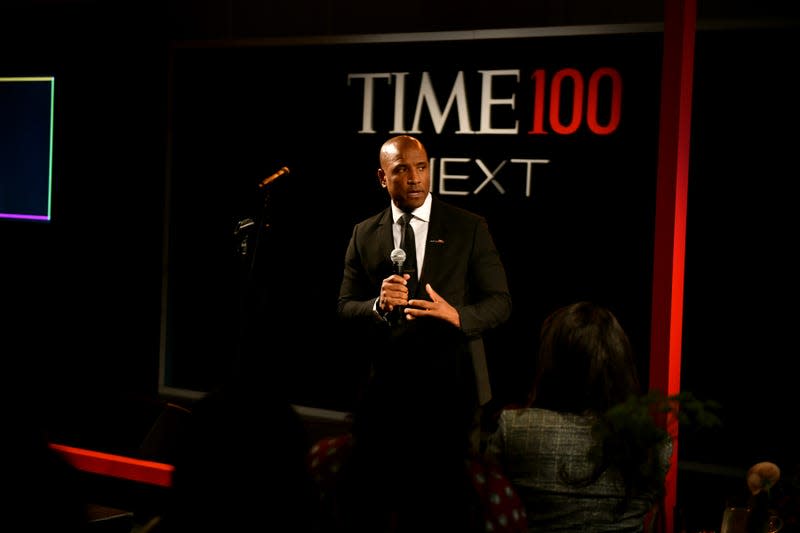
(579, 226)
(81, 314)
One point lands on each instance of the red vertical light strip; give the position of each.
(670, 222)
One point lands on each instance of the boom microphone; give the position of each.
(270, 179)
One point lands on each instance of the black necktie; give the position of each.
(408, 243)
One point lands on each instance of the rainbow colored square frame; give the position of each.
(26, 147)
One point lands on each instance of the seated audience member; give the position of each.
(241, 466)
(568, 477)
(475, 498)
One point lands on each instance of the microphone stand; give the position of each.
(249, 295)
(248, 229)
(261, 227)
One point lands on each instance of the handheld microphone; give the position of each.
(266, 181)
(398, 257)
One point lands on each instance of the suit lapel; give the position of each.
(434, 248)
(385, 233)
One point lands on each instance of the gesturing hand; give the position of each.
(436, 307)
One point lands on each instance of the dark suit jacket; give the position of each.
(461, 263)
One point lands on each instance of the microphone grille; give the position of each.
(398, 255)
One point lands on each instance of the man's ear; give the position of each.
(381, 177)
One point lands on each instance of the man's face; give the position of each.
(405, 174)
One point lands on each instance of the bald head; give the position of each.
(404, 171)
(395, 146)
